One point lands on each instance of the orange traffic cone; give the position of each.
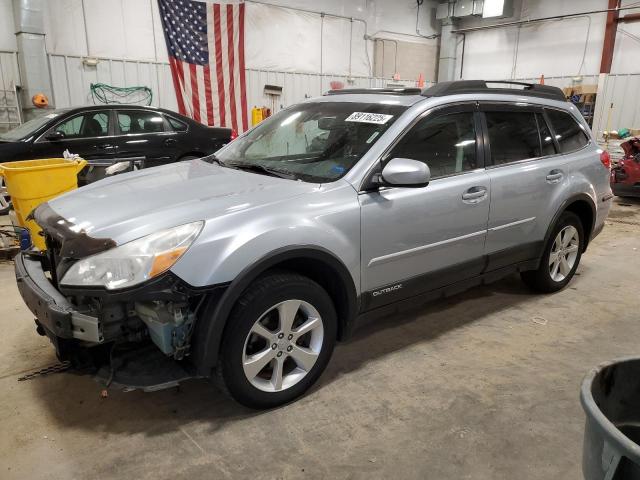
(421, 81)
(542, 79)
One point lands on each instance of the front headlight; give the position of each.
(133, 262)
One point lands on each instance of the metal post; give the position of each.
(610, 36)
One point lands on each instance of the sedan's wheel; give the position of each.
(279, 339)
(561, 256)
(5, 199)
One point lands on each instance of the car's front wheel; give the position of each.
(278, 340)
(561, 256)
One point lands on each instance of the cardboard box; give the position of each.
(584, 89)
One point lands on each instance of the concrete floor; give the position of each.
(484, 385)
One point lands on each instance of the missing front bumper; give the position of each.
(54, 313)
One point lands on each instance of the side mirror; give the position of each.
(404, 172)
(55, 135)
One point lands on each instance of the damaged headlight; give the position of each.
(133, 262)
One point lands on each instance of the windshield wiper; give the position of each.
(254, 167)
(213, 159)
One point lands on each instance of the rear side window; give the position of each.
(513, 136)
(569, 132)
(140, 121)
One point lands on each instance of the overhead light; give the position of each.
(90, 61)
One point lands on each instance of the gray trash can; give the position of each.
(610, 396)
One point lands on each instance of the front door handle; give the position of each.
(474, 195)
(170, 141)
(554, 176)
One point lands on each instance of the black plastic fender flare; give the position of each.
(562, 209)
(209, 333)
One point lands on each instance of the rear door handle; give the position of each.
(554, 176)
(107, 146)
(169, 141)
(474, 195)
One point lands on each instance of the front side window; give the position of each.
(140, 121)
(513, 136)
(87, 125)
(569, 133)
(446, 143)
(314, 142)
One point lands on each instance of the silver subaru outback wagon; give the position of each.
(248, 265)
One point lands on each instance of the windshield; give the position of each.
(315, 142)
(28, 128)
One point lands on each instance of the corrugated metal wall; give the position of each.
(618, 103)
(71, 80)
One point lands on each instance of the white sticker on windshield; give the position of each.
(364, 117)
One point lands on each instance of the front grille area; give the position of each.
(53, 256)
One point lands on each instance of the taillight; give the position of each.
(234, 135)
(605, 158)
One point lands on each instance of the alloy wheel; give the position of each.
(564, 253)
(5, 201)
(283, 345)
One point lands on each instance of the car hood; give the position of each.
(132, 205)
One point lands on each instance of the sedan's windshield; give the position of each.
(29, 127)
(315, 142)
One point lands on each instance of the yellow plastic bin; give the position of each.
(32, 182)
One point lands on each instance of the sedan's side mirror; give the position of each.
(404, 172)
(55, 135)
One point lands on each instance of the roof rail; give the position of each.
(385, 90)
(484, 86)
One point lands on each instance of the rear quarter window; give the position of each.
(569, 133)
(177, 125)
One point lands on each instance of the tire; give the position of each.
(553, 274)
(249, 362)
(5, 200)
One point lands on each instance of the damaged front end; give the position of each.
(138, 336)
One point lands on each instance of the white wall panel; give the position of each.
(7, 29)
(138, 29)
(281, 39)
(120, 29)
(64, 27)
(552, 48)
(488, 54)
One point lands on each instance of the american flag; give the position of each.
(205, 42)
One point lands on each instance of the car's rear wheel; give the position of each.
(561, 256)
(5, 199)
(279, 339)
